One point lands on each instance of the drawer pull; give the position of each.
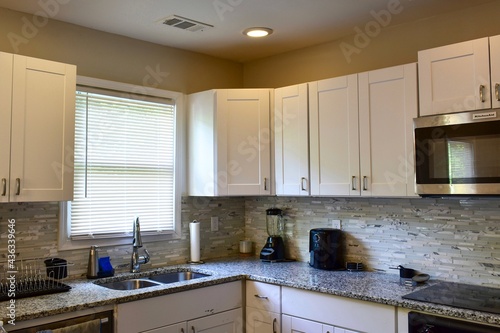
(274, 326)
(353, 183)
(4, 187)
(260, 296)
(265, 183)
(497, 88)
(365, 183)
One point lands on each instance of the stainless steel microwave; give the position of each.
(458, 154)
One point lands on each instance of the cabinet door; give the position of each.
(259, 321)
(263, 296)
(244, 142)
(291, 130)
(387, 105)
(298, 325)
(225, 322)
(43, 116)
(495, 70)
(5, 114)
(454, 78)
(176, 328)
(334, 143)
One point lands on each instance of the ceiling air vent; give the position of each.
(185, 23)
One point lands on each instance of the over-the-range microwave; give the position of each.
(458, 154)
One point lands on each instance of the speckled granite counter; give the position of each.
(368, 286)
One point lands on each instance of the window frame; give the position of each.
(64, 241)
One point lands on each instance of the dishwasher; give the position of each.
(99, 322)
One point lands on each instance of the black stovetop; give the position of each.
(459, 295)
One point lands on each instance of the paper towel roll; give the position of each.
(194, 234)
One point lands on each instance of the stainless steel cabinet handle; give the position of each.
(260, 296)
(265, 184)
(274, 325)
(4, 187)
(302, 180)
(481, 93)
(353, 183)
(365, 183)
(18, 186)
(497, 93)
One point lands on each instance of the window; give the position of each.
(125, 166)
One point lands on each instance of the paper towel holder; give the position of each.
(194, 262)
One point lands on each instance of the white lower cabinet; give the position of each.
(311, 312)
(263, 307)
(205, 310)
(227, 322)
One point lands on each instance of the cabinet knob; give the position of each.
(4, 187)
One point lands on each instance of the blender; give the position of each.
(274, 249)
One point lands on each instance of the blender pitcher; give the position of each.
(274, 249)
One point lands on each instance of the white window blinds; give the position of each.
(124, 165)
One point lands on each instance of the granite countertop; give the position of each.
(369, 286)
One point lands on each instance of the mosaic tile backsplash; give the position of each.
(450, 239)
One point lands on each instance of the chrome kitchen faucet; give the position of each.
(137, 260)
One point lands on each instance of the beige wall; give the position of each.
(394, 45)
(117, 58)
(113, 57)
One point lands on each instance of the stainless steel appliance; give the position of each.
(326, 249)
(458, 154)
(459, 295)
(274, 249)
(424, 323)
(96, 322)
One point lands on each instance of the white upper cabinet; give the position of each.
(6, 63)
(229, 142)
(334, 145)
(361, 130)
(495, 70)
(291, 130)
(40, 122)
(455, 78)
(387, 106)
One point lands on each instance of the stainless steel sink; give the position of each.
(151, 281)
(176, 277)
(130, 284)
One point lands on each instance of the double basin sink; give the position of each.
(152, 281)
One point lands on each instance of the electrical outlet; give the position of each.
(214, 223)
(336, 224)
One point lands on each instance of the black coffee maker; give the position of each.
(274, 249)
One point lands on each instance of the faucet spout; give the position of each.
(137, 260)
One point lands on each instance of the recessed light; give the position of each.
(257, 32)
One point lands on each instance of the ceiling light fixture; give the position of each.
(257, 32)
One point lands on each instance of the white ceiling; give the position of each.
(296, 23)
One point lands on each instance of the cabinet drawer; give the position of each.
(263, 296)
(348, 313)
